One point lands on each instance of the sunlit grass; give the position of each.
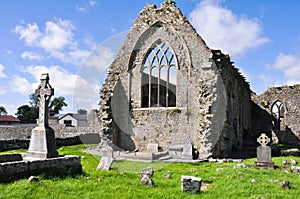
(123, 180)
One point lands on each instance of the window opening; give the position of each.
(159, 77)
(278, 113)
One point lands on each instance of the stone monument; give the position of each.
(42, 143)
(187, 151)
(107, 155)
(41, 157)
(264, 158)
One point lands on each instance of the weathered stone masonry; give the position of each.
(213, 105)
(287, 129)
(18, 136)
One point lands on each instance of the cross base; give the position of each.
(42, 143)
(264, 165)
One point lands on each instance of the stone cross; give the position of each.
(264, 153)
(263, 139)
(44, 92)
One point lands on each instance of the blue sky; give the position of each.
(67, 38)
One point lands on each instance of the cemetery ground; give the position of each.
(219, 180)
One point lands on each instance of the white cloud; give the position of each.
(2, 74)
(86, 7)
(58, 35)
(60, 79)
(11, 108)
(92, 3)
(57, 40)
(289, 65)
(21, 85)
(100, 58)
(64, 84)
(31, 55)
(222, 29)
(29, 33)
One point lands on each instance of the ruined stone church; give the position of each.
(167, 87)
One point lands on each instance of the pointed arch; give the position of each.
(278, 111)
(160, 89)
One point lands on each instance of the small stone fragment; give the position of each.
(146, 176)
(166, 175)
(33, 179)
(285, 184)
(295, 169)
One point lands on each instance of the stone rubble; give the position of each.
(190, 184)
(146, 176)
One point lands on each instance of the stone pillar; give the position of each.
(42, 143)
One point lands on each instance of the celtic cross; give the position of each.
(44, 92)
(263, 140)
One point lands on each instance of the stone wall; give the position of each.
(238, 125)
(14, 167)
(288, 131)
(213, 104)
(16, 137)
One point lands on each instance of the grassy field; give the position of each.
(123, 181)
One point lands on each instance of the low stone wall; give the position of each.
(65, 165)
(17, 137)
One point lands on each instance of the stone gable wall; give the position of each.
(211, 117)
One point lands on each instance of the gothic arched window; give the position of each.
(159, 77)
(278, 110)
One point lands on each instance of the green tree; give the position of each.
(3, 110)
(34, 100)
(27, 114)
(57, 105)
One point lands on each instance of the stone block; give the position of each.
(191, 184)
(42, 143)
(10, 158)
(152, 147)
(187, 151)
(264, 154)
(176, 151)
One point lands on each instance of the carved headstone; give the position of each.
(146, 176)
(264, 156)
(42, 143)
(107, 155)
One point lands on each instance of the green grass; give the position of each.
(123, 181)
